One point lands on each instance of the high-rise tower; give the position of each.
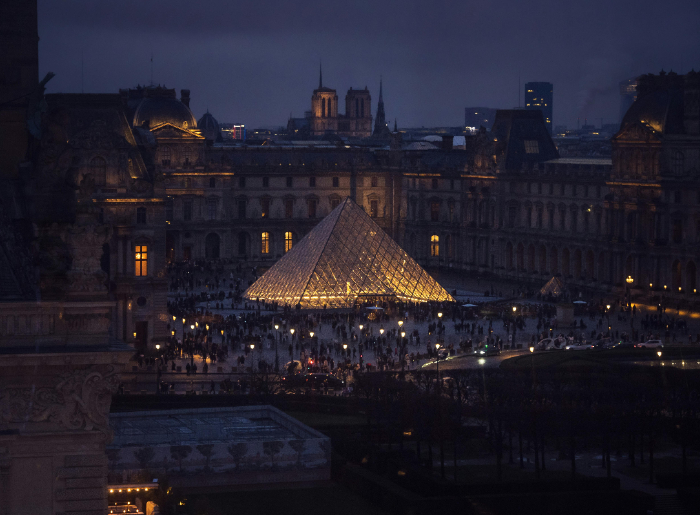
(380, 120)
(539, 97)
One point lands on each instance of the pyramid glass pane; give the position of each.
(347, 255)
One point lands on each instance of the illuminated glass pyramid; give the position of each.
(345, 257)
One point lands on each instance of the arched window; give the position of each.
(141, 260)
(187, 155)
(434, 245)
(165, 156)
(265, 239)
(678, 162)
(323, 107)
(98, 167)
(287, 242)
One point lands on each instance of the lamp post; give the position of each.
(277, 357)
(183, 330)
(437, 363)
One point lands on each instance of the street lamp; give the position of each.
(361, 326)
(532, 348)
(277, 357)
(658, 353)
(311, 333)
(440, 314)
(174, 317)
(400, 323)
(345, 348)
(381, 330)
(629, 279)
(403, 334)
(192, 326)
(514, 309)
(437, 361)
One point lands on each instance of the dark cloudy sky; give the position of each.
(256, 61)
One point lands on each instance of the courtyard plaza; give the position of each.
(250, 342)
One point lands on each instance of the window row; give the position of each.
(265, 242)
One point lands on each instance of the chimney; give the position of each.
(185, 97)
(447, 142)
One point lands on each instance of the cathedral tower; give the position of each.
(324, 109)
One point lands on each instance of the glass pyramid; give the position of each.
(345, 257)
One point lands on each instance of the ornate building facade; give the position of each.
(507, 205)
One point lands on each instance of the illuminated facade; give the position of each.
(324, 117)
(539, 96)
(346, 258)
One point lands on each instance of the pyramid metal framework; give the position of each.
(345, 257)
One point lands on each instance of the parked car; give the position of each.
(649, 344)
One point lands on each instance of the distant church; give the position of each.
(355, 123)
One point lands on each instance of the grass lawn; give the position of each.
(477, 474)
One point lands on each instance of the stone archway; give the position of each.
(509, 256)
(565, 263)
(212, 245)
(676, 276)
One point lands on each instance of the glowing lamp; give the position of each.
(437, 345)
(608, 306)
(658, 353)
(345, 346)
(252, 346)
(514, 309)
(361, 326)
(157, 346)
(276, 327)
(400, 323)
(207, 326)
(403, 334)
(173, 318)
(629, 279)
(381, 330)
(440, 314)
(192, 326)
(532, 349)
(291, 330)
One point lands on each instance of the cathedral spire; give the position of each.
(380, 120)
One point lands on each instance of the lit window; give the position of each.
(287, 241)
(435, 245)
(141, 260)
(265, 248)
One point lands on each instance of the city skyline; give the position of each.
(258, 65)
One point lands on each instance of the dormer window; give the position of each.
(532, 146)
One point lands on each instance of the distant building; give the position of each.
(357, 121)
(475, 117)
(628, 94)
(539, 96)
(233, 131)
(380, 125)
(209, 127)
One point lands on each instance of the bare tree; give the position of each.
(272, 448)
(206, 450)
(179, 453)
(237, 451)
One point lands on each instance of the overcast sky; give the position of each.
(256, 61)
